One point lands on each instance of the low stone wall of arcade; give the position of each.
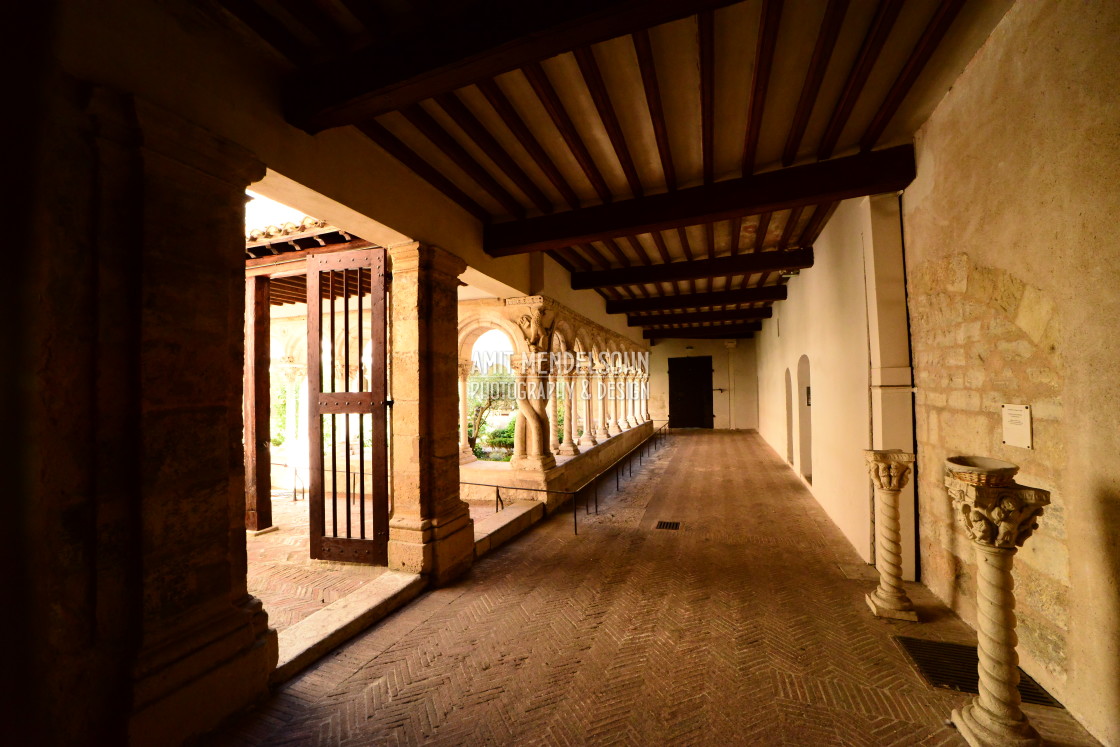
(569, 473)
(605, 406)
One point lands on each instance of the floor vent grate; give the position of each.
(953, 666)
(668, 525)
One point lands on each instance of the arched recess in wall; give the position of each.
(789, 417)
(488, 344)
(804, 419)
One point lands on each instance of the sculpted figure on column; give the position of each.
(531, 448)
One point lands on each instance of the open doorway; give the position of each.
(315, 424)
(805, 419)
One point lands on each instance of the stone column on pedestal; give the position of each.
(889, 470)
(645, 398)
(568, 446)
(998, 515)
(613, 405)
(600, 394)
(626, 416)
(466, 453)
(583, 401)
(554, 384)
(430, 531)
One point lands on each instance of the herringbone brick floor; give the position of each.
(747, 626)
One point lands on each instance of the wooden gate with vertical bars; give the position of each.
(348, 495)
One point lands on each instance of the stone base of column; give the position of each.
(980, 728)
(568, 450)
(466, 455)
(587, 441)
(601, 434)
(892, 609)
(193, 681)
(441, 549)
(527, 462)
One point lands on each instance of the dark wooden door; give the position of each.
(690, 392)
(348, 494)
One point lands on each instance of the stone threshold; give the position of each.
(497, 529)
(316, 635)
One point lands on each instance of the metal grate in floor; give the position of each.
(953, 666)
(668, 525)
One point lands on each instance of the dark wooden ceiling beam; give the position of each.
(741, 264)
(268, 28)
(501, 104)
(699, 300)
(814, 76)
(763, 63)
(644, 50)
(727, 331)
(488, 144)
(885, 15)
(439, 137)
(542, 86)
(842, 178)
(398, 150)
(574, 259)
(619, 255)
(784, 240)
(456, 50)
(726, 315)
(935, 31)
(593, 77)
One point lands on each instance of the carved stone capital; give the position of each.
(1001, 516)
(889, 468)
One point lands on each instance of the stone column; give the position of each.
(569, 446)
(583, 401)
(999, 516)
(645, 398)
(466, 453)
(626, 413)
(889, 470)
(430, 531)
(554, 384)
(613, 426)
(600, 395)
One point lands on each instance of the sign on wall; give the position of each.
(1017, 426)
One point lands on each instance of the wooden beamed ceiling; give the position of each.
(651, 147)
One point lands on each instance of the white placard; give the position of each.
(1017, 426)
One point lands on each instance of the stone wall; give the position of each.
(1013, 272)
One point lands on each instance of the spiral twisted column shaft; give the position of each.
(889, 597)
(889, 470)
(995, 717)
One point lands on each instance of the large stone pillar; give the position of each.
(466, 453)
(999, 516)
(140, 628)
(569, 447)
(583, 401)
(889, 470)
(430, 531)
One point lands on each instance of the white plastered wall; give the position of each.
(733, 370)
(830, 316)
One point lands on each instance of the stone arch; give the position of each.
(474, 327)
